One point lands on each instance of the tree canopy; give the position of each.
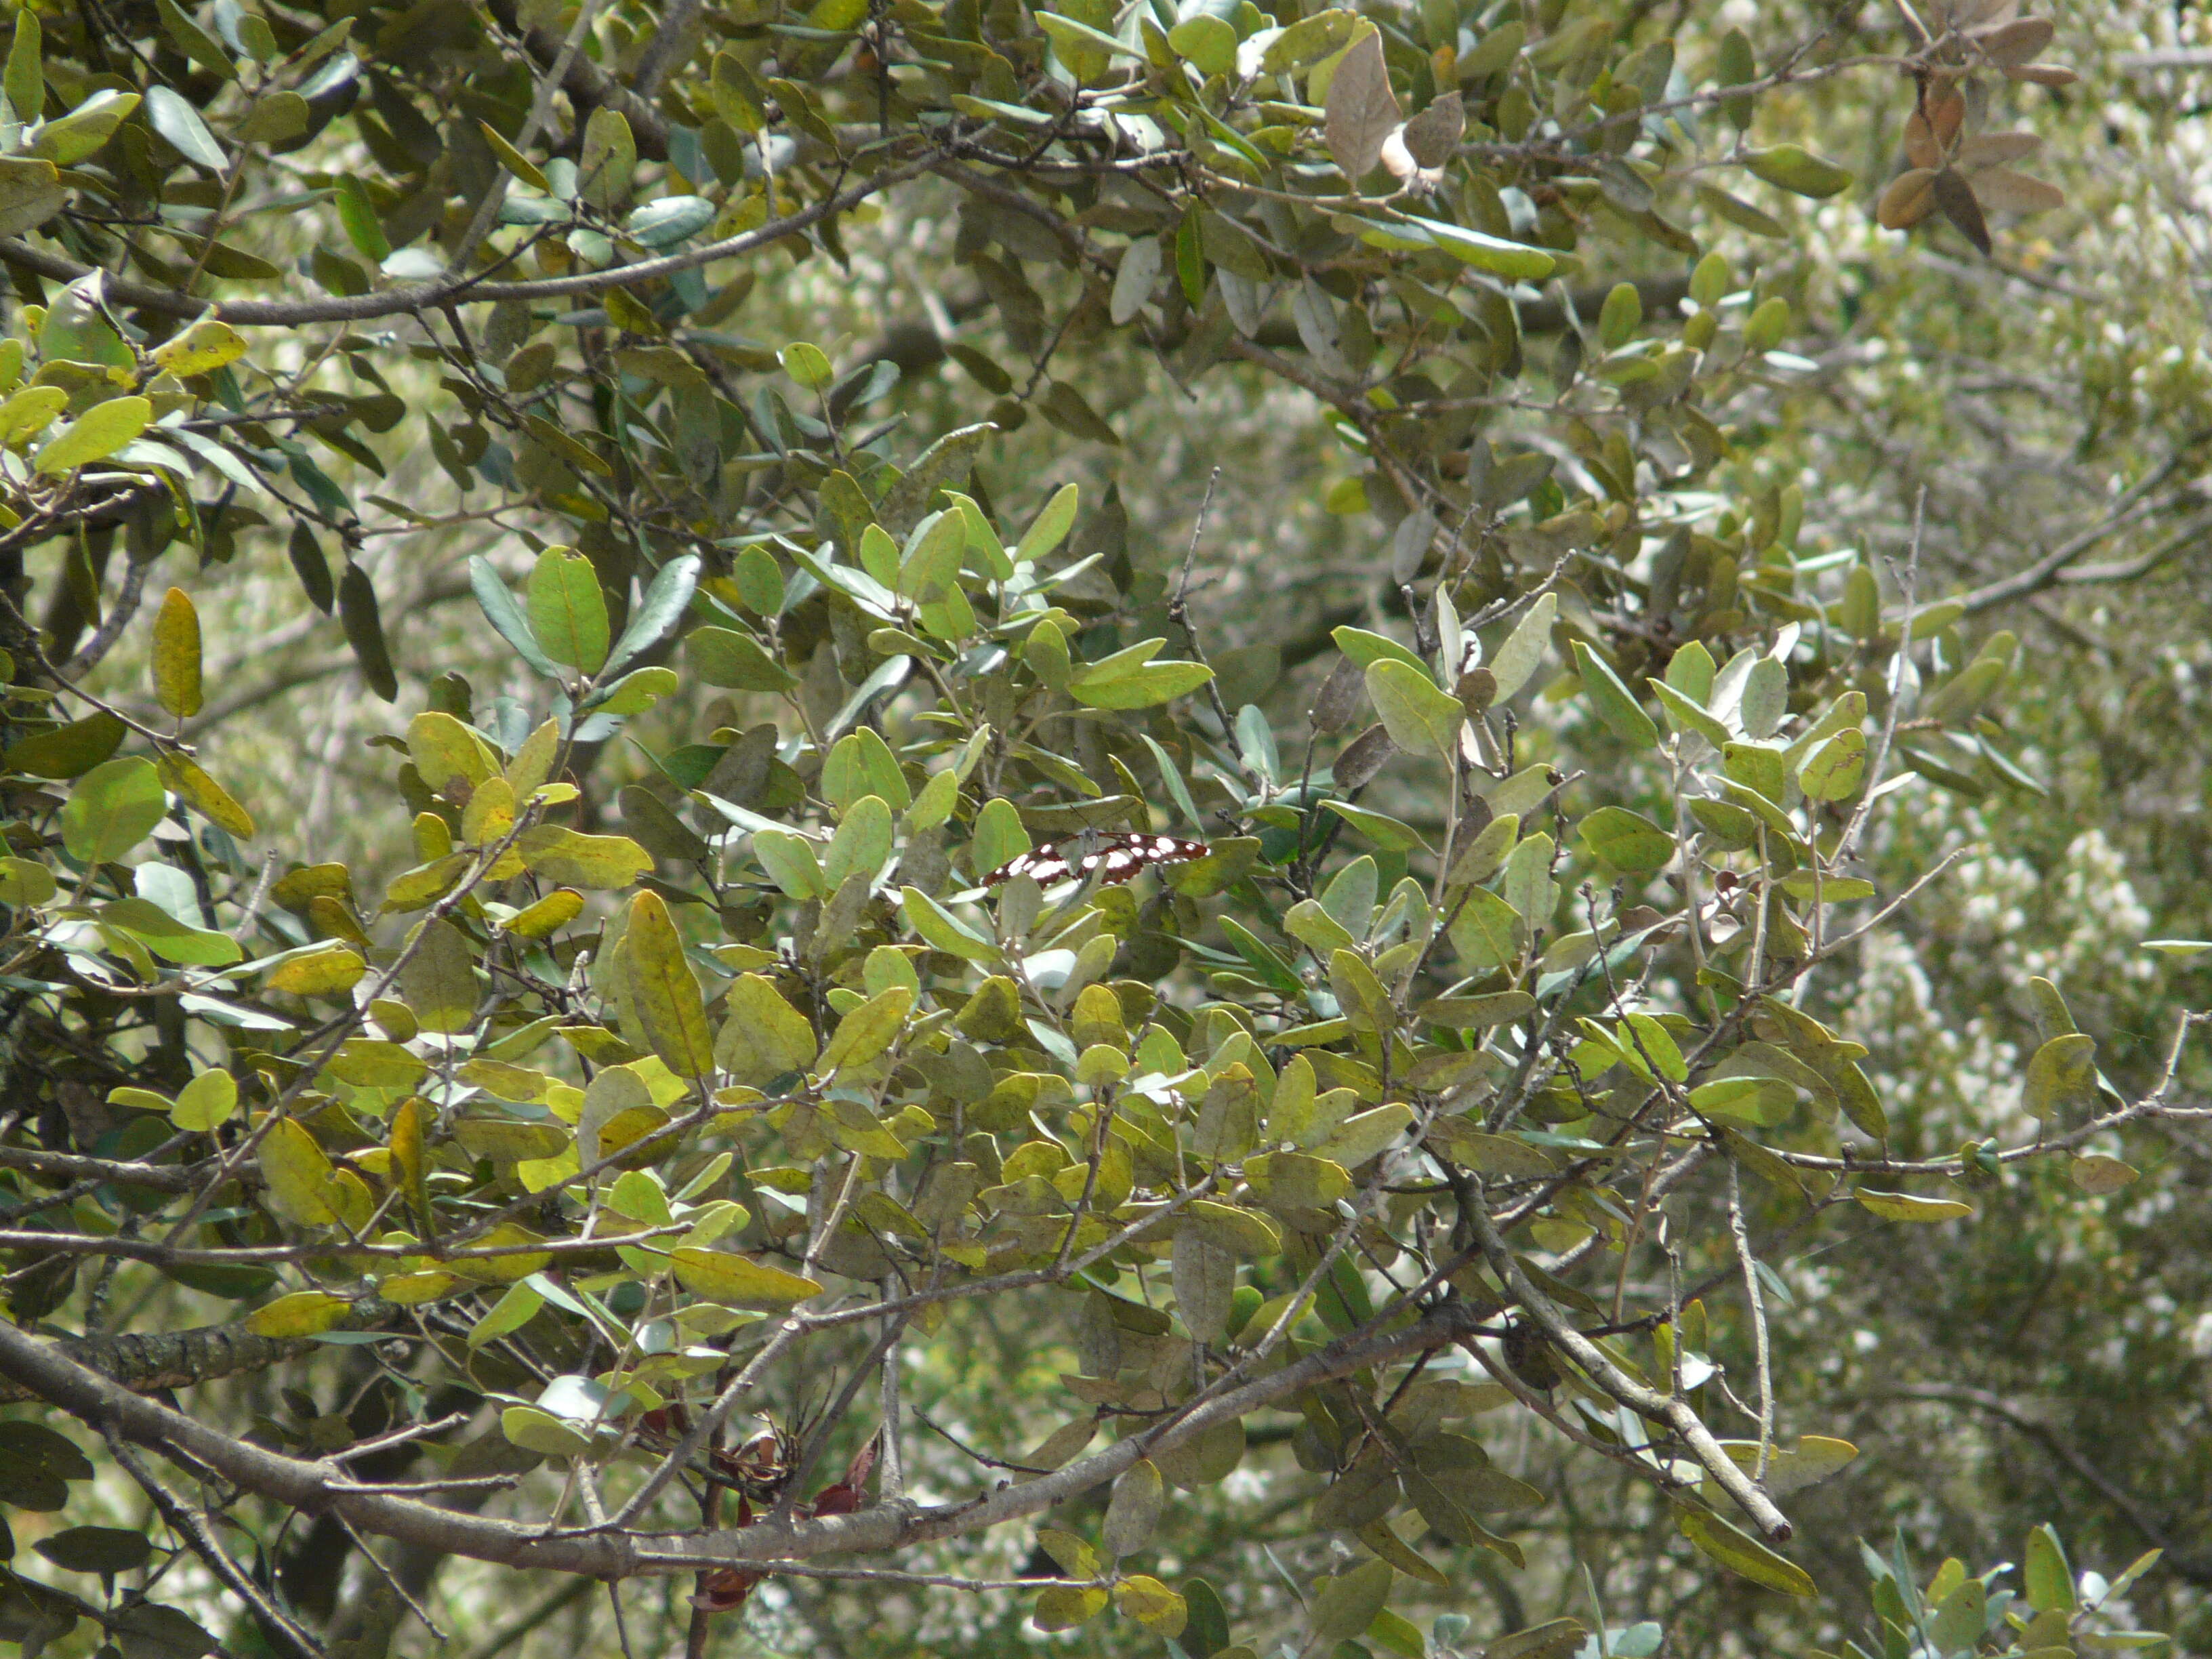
(1187, 828)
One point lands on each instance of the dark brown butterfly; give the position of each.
(1114, 858)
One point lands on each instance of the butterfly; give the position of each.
(1115, 858)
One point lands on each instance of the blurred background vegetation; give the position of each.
(2037, 421)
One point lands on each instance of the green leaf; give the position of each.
(1513, 261)
(364, 630)
(1615, 704)
(1626, 840)
(608, 160)
(1129, 679)
(567, 611)
(106, 1550)
(940, 929)
(1796, 169)
(1687, 715)
(113, 808)
(25, 80)
(505, 616)
(1346, 1603)
(2058, 1073)
(1488, 932)
(95, 435)
(1050, 526)
(1420, 719)
(807, 365)
(1133, 1510)
(439, 979)
(1367, 649)
(357, 218)
(510, 158)
(181, 123)
(169, 939)
(2049, 1576)
(1380, 828)
(664, 602)
(1516, 659)
(30, 194)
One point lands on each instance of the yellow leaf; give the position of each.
(1741, 1553)
(177, 655)
(666, 996)
(322, 973)
(737, 1281)
(303, 1313)
(350, 1200)
(1905, 1207)
(411, 1289)
(443, 750)
(868, 1030)
(490, 815)
(1063, 1606)
(184, 777)
(501, 1269)
(407, 1153)
(575, 860)
(298, 1174)
(209, 1099)
(439, 978)
(1151, 1604)
(762, 1036)
(549, 915)
(208, 344)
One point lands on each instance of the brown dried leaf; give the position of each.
(1945, 106)
(2010, 45)
(1910, 198)
(1434, 134)
(2044, 75)
(1363, 757)
(1994, 150)
(1339, 696)
(1955, 196)
(1920, 146)
(1363, 111)
(2007, 191)
(1980, 14)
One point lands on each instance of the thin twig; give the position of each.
(1902, 660)
(1753, 1294)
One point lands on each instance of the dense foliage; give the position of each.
(1308, 918)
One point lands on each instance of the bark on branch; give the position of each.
(47, 1372)
(177, 1359)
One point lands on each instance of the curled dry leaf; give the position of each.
(2010, 45)
(1962, 179)
(1432, 136)
(1910, 198)
(2044, 75)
